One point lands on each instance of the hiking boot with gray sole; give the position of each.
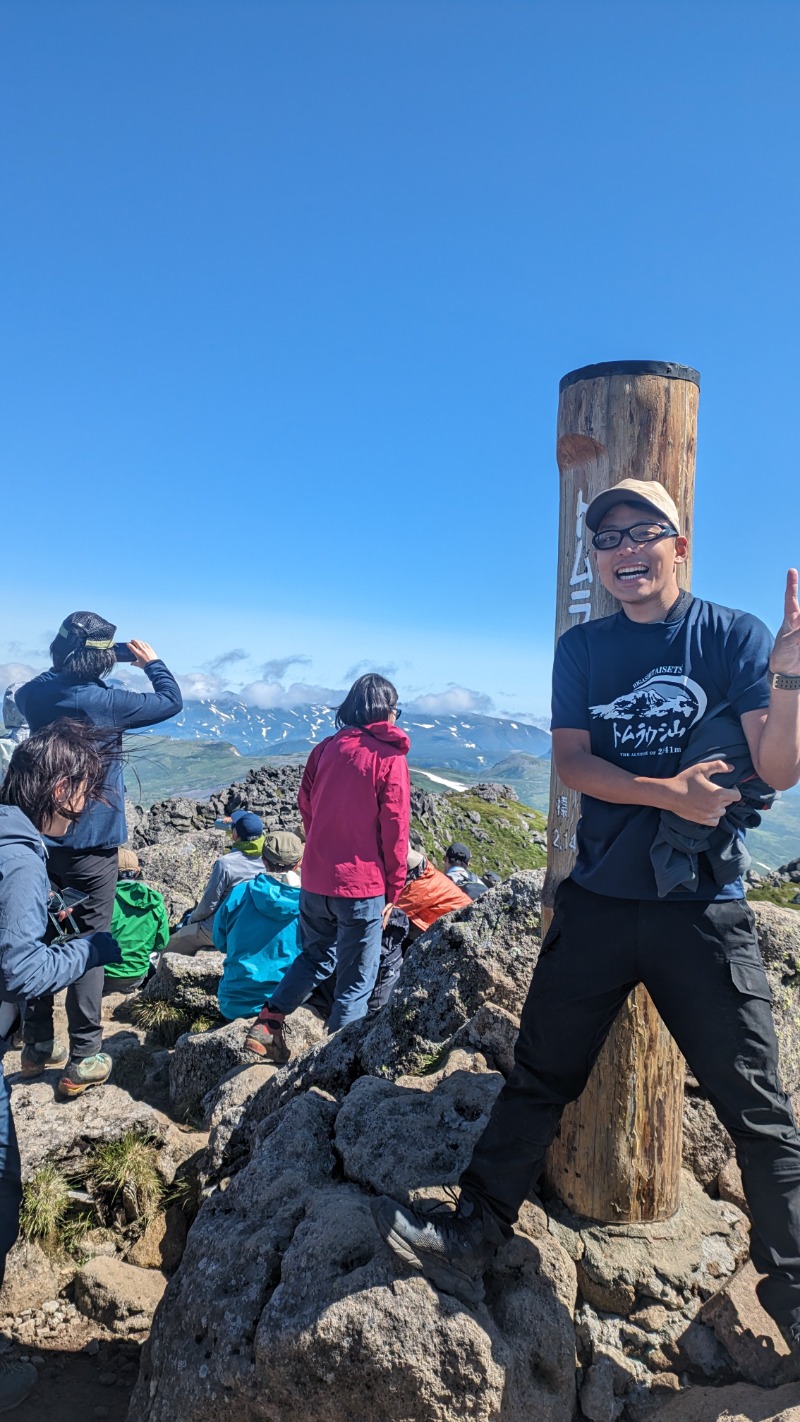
(449, 1249)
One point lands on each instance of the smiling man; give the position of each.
(633, 695)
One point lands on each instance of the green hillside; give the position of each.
(502, 836)
(158, 767)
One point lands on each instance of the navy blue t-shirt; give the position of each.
(638, 688)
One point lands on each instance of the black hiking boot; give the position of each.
(450, 1247)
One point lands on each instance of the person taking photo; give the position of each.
(83, 654)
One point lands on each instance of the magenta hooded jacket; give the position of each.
(355, 802)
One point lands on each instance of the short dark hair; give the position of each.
(70, 653)
(66, 750)
(371, 698)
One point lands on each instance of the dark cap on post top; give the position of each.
(668, 369)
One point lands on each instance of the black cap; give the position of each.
(458, 852)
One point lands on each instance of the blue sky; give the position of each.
(289, 288)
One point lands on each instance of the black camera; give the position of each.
(123, 653)
(62, 902)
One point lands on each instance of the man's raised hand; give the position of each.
(785, 657)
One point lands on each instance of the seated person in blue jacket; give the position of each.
(50, 777)
(258, 928)
(241, 862)
(85, 859)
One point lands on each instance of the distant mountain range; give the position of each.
(469, 743)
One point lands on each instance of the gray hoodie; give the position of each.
(28, 966)
(232, 868)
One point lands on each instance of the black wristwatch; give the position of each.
(781, 682)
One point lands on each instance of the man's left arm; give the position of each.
(773, 734)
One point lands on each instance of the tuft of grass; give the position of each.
(185, 1193)
(72, 1233)
(163, 1020)
(781, 894)
(203, 1024)
(166, 1022)
(45, 1204)
(128, 1168)
(429, 1063)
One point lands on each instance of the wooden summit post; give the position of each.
(618, 1155)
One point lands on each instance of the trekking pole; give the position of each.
(618, 1155)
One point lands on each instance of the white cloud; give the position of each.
(452, 701)
(271, 694)
(200, 686)
(11, 672)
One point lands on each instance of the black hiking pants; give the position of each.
(702, 966)
(94, 872)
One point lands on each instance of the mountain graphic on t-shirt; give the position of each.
(657, 697)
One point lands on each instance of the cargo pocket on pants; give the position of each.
(750, 980)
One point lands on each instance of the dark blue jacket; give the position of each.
(58, 693)
(28, 967)
(678, 844)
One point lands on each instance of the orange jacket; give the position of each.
(426, 898)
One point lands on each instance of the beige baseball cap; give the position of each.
(414, 858)
(128, 861)
(633, 491)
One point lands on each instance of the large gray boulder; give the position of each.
(119, 1295)
(739, 1403)
(49, 1130)
(190, 984)
(179, 864)
(201, 1060)
(31, 1277)
(397, 1137)
(484, 953)
(288, 1306)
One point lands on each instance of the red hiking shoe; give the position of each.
(266, 1039)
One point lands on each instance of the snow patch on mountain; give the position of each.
(440, 741)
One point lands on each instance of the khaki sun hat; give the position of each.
(633, 491)
(414, 859)
(282, 850)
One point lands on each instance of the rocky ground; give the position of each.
(316, 1320)
(214, 1217)
(80, 1290)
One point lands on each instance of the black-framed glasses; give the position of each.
(639, 532)
(398, 711)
